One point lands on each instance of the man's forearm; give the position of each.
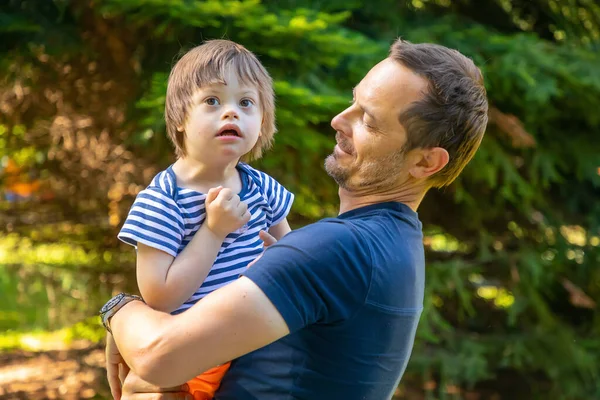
(160, 347)
(169, 350)
(138, 330)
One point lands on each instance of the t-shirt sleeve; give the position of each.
(316, 274)
(154, 220)
(278, 197)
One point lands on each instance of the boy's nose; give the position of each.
(230, 113)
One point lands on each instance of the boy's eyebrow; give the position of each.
(214, 86)
(249, 91)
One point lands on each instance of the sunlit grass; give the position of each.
(48, 285)
(19, 250)
(90, 330)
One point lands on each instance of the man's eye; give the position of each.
(246, 103)
(212, 101)
(369, 126)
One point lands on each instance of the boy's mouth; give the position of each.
(230, 130)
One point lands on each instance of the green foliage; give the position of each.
(90, 329)
(513, 246)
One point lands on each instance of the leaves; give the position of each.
(82, 99)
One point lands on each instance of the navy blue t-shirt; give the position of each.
(351, 292)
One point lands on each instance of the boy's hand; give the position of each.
(225, 212)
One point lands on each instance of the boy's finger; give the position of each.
(226, 194)
(246, 216)
(242, 208)
(212, 194)
(235, 201)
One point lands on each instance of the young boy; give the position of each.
(196, 226)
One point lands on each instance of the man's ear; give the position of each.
(428, 161)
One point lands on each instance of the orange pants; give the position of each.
(204, 386)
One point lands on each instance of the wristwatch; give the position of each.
(115, 304)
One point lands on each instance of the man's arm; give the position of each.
(168, 350)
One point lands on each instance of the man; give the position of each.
(330, 311)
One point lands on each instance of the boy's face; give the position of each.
(224, 121)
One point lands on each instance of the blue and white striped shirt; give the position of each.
(166, 217)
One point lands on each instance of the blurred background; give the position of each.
(513, 247)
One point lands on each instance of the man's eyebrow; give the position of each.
(362, 107)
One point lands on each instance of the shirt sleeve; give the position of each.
(154, 220)
(280, 200)
(317, 274)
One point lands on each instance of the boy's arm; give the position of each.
(165, 283)
(280, 230)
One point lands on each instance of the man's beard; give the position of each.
(337, 172)
(372, 175)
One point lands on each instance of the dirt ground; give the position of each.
(78, 373)
(71, 374)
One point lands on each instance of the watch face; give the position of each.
(111, 303)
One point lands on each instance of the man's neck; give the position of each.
(408, 195)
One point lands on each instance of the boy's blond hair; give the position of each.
(206, 64)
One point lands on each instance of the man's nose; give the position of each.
(341, 124)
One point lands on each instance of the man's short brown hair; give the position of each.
(453, 113)
(206, 64)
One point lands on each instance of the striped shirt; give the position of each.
(166, 217)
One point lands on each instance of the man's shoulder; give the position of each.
(327, 229)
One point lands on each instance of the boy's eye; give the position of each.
(212, 101)
(246, 103)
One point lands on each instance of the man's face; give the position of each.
(368, 155)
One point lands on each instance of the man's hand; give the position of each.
(225, 212)
(116, 369)
(135, 388)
